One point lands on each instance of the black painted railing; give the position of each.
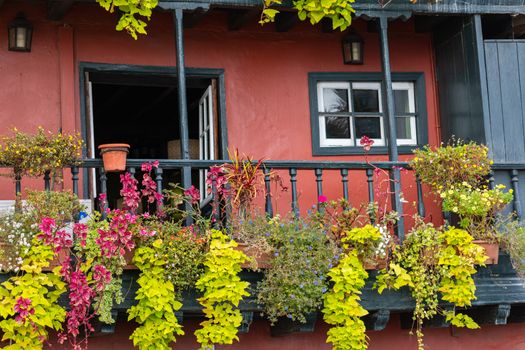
(508, 174)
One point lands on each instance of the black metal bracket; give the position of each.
(377, 321)
(247, 319)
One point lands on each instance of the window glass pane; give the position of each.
(335, 100)
(368, 126)
(366, 100)
(401, 102)
(404, 130)
(337, 127)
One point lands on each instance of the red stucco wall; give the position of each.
(266, 78)
(267, 112)
(509, 337)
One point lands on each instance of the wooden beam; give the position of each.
(192, 18)
(57, 9)
(326, 25)
(284, 21)
(238, 18)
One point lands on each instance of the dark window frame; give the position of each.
(417, 78)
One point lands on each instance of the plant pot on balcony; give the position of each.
(57, 261)
(491, 250)
(261, 260)
(114, 156)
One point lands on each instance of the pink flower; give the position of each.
(23, 309)
(80, 231)
(193, 194)
(322, 199)
(101, 276)
(366, 142)
(148, 166)
(129, 192)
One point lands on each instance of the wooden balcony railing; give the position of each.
(508, 174)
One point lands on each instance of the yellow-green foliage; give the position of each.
(131, 9)
(451, 164)
(431, 262)
(339, 11)
(157, 302)
(43, 289)
(341, 303)
(457, 259)
(223, 291)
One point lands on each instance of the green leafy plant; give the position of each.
(28, 302)
(35, 154)
(223, 291)
(294, 283)
(341, 303)
(339, 11)
(477, 208)
(431, 262)
(17, 228)
(131, 13)
(157, 302)
(513, 237)
(452, 164)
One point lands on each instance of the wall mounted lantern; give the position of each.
(20, 33)
(352, 48)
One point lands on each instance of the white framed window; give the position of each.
(348, 109)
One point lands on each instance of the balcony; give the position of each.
(500, 291)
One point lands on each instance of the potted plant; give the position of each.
(457, 173)
(437, 266)
(114, 156)
(296, 279)
(38, 154)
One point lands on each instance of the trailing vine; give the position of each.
(341, 303)
(132, 11)
(157, 302)
(223, 291)
(431, 262)
(29, 302)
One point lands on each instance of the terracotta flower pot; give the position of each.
(114, 156)
(491, 250)
(262, 260)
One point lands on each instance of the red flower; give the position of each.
(366, 142)
(322, 199)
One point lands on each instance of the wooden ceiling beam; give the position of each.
(239, 18)
(191, 19)
(284, 21)
(57, 9)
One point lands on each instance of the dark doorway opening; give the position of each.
(142, 110)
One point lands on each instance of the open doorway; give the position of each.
(142, 110)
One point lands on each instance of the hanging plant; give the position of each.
(433, 263)
(34, 155)
(131, 13)
(220, 305)
(339, 11)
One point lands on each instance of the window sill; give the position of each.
(344, 151)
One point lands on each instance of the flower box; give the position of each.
(491, 250)
(261, 260)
